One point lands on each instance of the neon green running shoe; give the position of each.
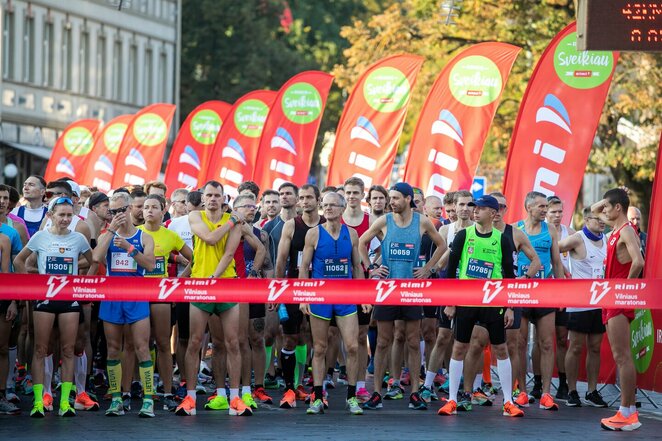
(219, 402)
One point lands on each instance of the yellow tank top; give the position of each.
(206, 257)
(165, 242)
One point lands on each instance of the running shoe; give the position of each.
(37, 411)
(375, 402)
(84, 402)
(536, 392)
(289, 400)
(362, 395)
(11, 396)
(147, 409)
(248, 400)
(479, 398)
(260, 395)
(619, 422)
(427, 394)
(444, 387)
(489, 390)
(394, 392)
(239, 408)
(405, 377)
(26, 384)
(595, 399)
(301, 393)
(511, 410)
(354, 406)
(522, 399)
(116, 408)
(562, 392)
(270, 382)
(8, 408)
(181, 391)
(342, 379)
(48, 402)
(547, 403)
(439, 379)
(126, 402)
(450, 408)
(464, 401)
(169, 403)
(315, 408)
(216, 402)
(200, 389)
(187, 407)
(328, 382)
(573, 399)
(416, 403)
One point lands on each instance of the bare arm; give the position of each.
(524, 245)
(256, 244)
(20, 259)
(146, 259)
(92, 270)
(22, 232)
(375, 230)
(201, 230)
(186, 252)
(101, 249)
(557, 265)
(5, 249)
(439, 242)
(230, 247)
(284, 248)
(634, 250)
(308, 251)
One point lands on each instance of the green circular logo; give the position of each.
(150, 129)
(301, 103)
(642, 339)
(78, 141)
(205, 125)
(113, 137)
(581, 69)
(250, 116)
(386, 89)
(475, 81)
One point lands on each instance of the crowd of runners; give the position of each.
(163, 356)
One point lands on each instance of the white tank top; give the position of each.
(451, 234)
(565, 257)
(592, 267)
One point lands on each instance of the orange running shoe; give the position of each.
(511, 410)
(239, 408)
(48, 402)
(289, 400)
(619, 422)
(301, 393)
(450, 408)
(260, 395)
(547, 402)
(522, 399)
(84, 402)
(187, 408)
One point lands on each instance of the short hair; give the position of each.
(40, 178)
(214, 184)
(313, 187)
(289, 184)
(156, 184)
(586, 212)
(329, 188)
(462, 194)
(532, 196)
(4, 187)
(449, 198)
(61, 184)
(356, 181)
(498, 194)
(250, 186)
(126, 197)
(430, 198)
(136, 187)
(157, 197)
(121, 190)
(243, 197)
(618, 196)
(554, 200)
(138, 194)
(180, 191)
(14, 196)
(379, 189)
(194, 198)
(341, 198)
(269, 192)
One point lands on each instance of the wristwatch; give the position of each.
(133, 253)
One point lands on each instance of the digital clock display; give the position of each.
(619, 25)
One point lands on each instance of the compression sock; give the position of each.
(288, 362)
(504, 368)
(80, 371)
(66, 390)
(48, 374)
(455, 373)
(146, 369)
(114, 377)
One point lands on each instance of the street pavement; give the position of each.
(394, 421)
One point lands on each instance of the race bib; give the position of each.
(122, 263)
(539, 275)
(598, 273)
(479, 269)
(336, 268)
(59, 265)
(402, 251)
(159, 268)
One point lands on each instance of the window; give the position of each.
(7, 44)
(147, 95)
(163, 64)
(133, 74)
(48, 52)
(117, 69)
(101, 67)
(84, 63)
(28, 50)
(66, 57)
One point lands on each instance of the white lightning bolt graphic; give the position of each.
(55, 285)
(596, 295)
(167, 287)
(384, 289)
(487, 289)
(275, 291)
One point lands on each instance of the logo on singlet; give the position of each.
(598, 291)
(491, 290)
(276, 288)
(167, 287)
(55, 285)
(384, 289)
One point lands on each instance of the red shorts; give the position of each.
(611, 313)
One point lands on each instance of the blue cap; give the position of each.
(406, 190)
(485, 201)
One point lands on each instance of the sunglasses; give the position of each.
(116, 211)
(63, 200)
(50, 194)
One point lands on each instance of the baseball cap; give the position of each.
(406, 190)
(485, 201)
(75, 188)
(96, 198)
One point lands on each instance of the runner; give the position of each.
(34, 190)
(57, 250)
(433, 210)
(588, 250)
(8, 312)
(624, 260)
(449, 206)
(332, 248)
(634, 216)
(544, 241)
(136, 209)
(480, 252)
(377, 199)
(401, 234)
(215, 241)
(127, 252)
(270, 207)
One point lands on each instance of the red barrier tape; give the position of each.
(626, 294)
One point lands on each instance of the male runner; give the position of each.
(634, 216)
(136, 209)
(433, 210)
(34, 190)
(377, 199)
(270, 207)
(624, 260)
(449, 206)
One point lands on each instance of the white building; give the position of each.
(63, 60)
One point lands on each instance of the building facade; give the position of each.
(61, 61)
